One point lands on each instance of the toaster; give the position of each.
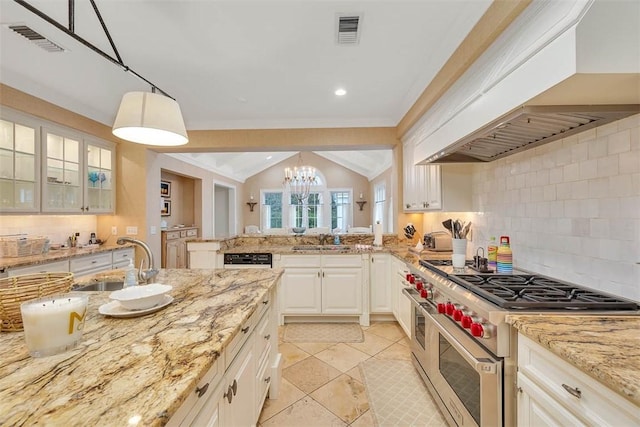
(439, 241)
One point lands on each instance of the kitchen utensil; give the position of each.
(449, 226)
(456, 229)
(465, 230)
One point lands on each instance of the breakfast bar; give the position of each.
(133, 370)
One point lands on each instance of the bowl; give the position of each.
(299, 230)
(141, 297)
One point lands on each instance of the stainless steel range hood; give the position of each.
(528, 127)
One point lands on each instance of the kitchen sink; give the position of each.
(307, 248)
(101, 286)
(323, 248)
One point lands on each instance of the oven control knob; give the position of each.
(477, 330)
(426, 293)
(412, 279)
(466, 322)
(442, 308)
(419, 286)
(457, 315)
(407, 276)
(450, 308)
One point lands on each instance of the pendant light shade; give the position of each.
(151, 119)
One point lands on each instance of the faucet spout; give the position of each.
(151, 272)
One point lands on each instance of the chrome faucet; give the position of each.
(143, 275)
(323, 238)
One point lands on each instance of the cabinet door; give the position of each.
(342, 290)
(301, 291)
(381, 286)
(62, 186)
(404, 310)
(99, 178)
(172, 253)
(49, 267)
(211, 414)
(19, 159)
(537, 409)
(240, 382)
(181, 261)
(433, 187)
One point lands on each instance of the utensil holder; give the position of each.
(459, 256)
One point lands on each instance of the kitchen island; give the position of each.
(132, 371)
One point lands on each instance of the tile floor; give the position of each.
(321, 382)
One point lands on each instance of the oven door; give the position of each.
(467, 377)
(419, 335)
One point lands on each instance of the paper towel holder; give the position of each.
(361, 203)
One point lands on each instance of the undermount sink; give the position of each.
(307, 248)
(321, 247)
(101, 286)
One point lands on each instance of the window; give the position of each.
(340, 209)
(272, 210)
(379, 204)
(307, 215)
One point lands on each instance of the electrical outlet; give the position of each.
(153, 229)
(132, 231)
(114, 230)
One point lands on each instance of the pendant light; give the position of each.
(150, 118)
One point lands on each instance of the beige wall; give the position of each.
(181, 197)
(336, 176)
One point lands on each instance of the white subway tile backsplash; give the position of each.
(573, 208)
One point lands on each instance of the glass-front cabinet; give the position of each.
(19, 175)
(78, 173)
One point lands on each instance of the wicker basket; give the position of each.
(13, 247)
(16, 290)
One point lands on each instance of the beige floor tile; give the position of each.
(288, 395)
(342, 357)
(280, 334)
(343, 396)
(355, 373)
(389, 330)
(291, 354)
(372, 344)
(309, 374)
(395, 352)
(305, 412)
(314, 347)
(404, 341)
(365, 420)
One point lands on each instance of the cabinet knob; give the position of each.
(228, 394)
(244, 331)
(267, 380)
(87, 208)
(265, 302)
(234, 387)
(267, 337)
(200, 391)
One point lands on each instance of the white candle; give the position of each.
(54, 324)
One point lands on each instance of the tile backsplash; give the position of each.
(570, 207)
(56, 227)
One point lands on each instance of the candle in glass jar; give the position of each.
(53, 324)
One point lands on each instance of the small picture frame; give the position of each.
(166, 208)
(165, 189)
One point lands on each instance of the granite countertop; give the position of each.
(55, 255)
(605, 347)
(126, 367)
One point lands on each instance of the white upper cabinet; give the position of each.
(78, 173)
(422, 186)
(19, 159)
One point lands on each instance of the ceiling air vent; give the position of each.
(349, 28)
(35, 37)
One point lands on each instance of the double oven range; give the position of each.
(461, 344)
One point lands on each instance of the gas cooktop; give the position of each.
(529, 291)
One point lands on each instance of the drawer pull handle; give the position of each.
(200, 391)
(234, 387)
(266, 337)
(572, 391)
(267, 380)
(228, 394)
(265, 302)
(245, 330)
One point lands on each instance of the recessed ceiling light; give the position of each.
(269, 157)
(340, 92)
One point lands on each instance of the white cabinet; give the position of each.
(203, 254)
(174, 247)
(239, 398)
(552, 392)
(322, 285)
(47, 267)
(91, 264)
(78, 172)
(401, 302)
(121, 257)
(19, 160)
(422, 186)
(380, 284)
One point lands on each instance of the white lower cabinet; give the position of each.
(552, 392)
(401, 302)
(322, 285)
(234, 396)
(91, 264)
(380, 284)
(47, 267)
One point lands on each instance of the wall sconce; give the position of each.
(251, 203)
(361, 203)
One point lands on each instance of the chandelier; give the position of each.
(298, 181)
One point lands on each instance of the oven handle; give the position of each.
(485, 365)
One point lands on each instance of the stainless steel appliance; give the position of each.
(461, 344)
(248, 260)
(437, 241)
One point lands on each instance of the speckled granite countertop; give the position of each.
(604, 347)
(144, 366)
(55, 255)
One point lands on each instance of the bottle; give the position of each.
(505, 257)
(336, 239)
(492, 253)
(130, 278)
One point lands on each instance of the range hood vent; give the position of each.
(528, 127)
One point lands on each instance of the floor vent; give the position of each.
(36, 38)
(349, 28)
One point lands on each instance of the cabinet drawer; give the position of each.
(121, 257)
(300, 261)
(57, 266)
(192, 233)
(263, 380)
(77, 265)
(183, 233)
(171, 235)
(262, 337)
(341, 261)
(591, 401)
(241, 337)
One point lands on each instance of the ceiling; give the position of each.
(240, 64)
